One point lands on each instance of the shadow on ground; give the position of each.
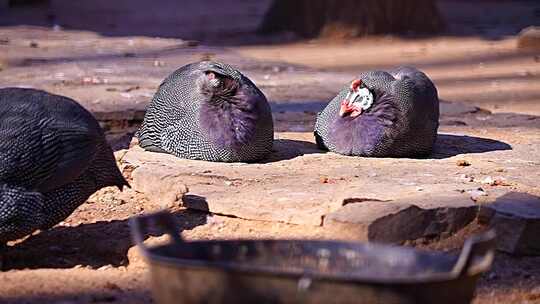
(285, 149)
(97, 296)
(448, 145)
(94, 244)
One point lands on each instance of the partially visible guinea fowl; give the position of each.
(382, 114)
(53, 156)
(208, 111)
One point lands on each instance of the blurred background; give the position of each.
(236, 21)
(112, 55)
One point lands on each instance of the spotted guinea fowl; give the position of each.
(53, 156)
(208, 111)
(382, 114)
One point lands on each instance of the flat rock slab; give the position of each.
(382, 199)
(529, 38)
(516, 219)
(406, 218)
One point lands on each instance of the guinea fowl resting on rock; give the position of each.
(208, 111)
(53, 156)
(382, 114)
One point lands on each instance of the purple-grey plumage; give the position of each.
(208, 111)
(230, 112)
(53, 156)
(401, 120)
(352, 136)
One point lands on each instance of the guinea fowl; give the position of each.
(208, 111)
(382, 114)
(53, 156)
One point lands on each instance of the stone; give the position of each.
(376, 199)
(135, 254)
(403, 219)
(135, 257)
(477, 193)
(163, 187)
(105, 267)
(495, 181)
(516, 219)
(462, 163)
(529, 38)
(379, 199)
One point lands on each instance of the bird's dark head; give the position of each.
(358, 100)
(231, 104)
(20, 212)
(218, 82)
(364, 115)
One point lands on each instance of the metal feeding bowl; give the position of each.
(306, 271)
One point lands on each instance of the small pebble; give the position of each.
(488, 180)
(106, 267)
(497, 181)
(477, 193)
(466, 178)
(159, 63)
(463, 163)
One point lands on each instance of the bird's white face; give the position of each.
(357, 100)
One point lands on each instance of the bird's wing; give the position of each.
(22, 161)
(75, 147)
(44, 155)
(190, 143)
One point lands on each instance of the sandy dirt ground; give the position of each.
(114, 67)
